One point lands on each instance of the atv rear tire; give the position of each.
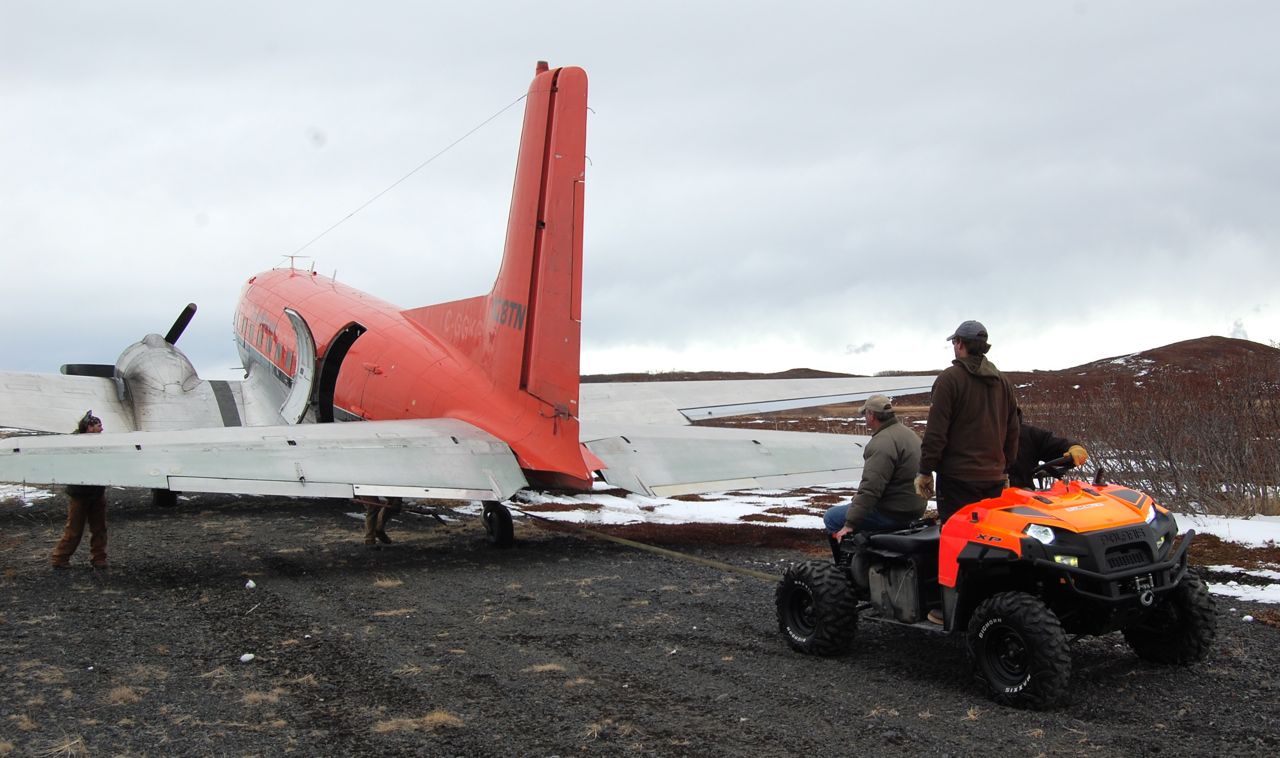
(817, 610)
(1019, 652)
(1181, 628)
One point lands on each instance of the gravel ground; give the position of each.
(440, 645)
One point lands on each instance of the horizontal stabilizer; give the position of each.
(686, 460)
(435, 458)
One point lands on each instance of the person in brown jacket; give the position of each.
(86, 503)
(971, 438)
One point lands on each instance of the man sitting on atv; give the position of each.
(1036, 446)
(886, 498)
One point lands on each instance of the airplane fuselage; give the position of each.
(396, 369)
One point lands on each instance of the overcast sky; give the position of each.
(834, 185)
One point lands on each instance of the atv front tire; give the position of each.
(1181, 628)
(1019, 652)
(817, 610)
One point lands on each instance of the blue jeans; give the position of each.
(875, 521)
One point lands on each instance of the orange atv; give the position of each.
(1016, 574)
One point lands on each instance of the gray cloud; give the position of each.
(1083, 177)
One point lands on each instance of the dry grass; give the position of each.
(220, 672)
(6, 748)
(24, 723)
(607, 728)
(123, 695)
(307, 680)
(408, 669)
(560, 507)
(542, 668)
(147, 672)
(791, 510)
(434, 721)
(67, 747)
(763, 518)
(386, 582)
(398, 612)
(578, 682)
(258, 698)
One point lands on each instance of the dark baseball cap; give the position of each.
(970, 330)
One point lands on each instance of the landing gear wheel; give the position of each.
(1181, 628)
(1019, 652)
(817, 610)
(497, 522)
(164, 498)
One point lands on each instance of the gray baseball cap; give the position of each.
(877, 404)
(970, 330)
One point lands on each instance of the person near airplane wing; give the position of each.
(86, 504)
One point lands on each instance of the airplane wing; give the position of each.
(641, 432)
(679, 403)
(54, 403)
(433, 458)
(673, 460)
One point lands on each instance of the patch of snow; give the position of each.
(1260, 573)
(1268, 593)
(1259, 531)
(28, 495)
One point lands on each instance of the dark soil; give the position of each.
(564, 645)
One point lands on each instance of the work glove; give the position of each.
(924, 486)
(1078, 454)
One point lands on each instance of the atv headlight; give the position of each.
(1151, 513)
(1040, 532)
(1067, 560)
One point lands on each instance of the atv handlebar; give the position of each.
(1054, 468)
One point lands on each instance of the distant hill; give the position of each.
(707, 376)
(1203, 357)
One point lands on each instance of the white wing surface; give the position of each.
(54, 403)
(671, 460)
(680, 402)
(434, 458)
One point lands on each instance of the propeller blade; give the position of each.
(180, 324)
(104, 370)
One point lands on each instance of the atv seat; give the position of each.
(921, 540)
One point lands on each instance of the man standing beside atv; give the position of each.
(972, 434)
(886, 498)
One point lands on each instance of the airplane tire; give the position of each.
(1181, 628)
(1019, 652)
(164, 498)
(497, 522)
(817, 610)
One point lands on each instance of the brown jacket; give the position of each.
(889, 464)
(973, 423)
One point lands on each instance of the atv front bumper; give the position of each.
(1138, 584)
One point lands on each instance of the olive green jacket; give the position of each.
(889, 464)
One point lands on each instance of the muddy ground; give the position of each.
(440, 645)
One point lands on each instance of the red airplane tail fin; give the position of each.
(526, 332)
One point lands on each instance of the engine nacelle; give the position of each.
(153, 365)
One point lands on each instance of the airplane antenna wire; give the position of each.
(416, 169)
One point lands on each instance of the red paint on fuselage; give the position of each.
(399, 370)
